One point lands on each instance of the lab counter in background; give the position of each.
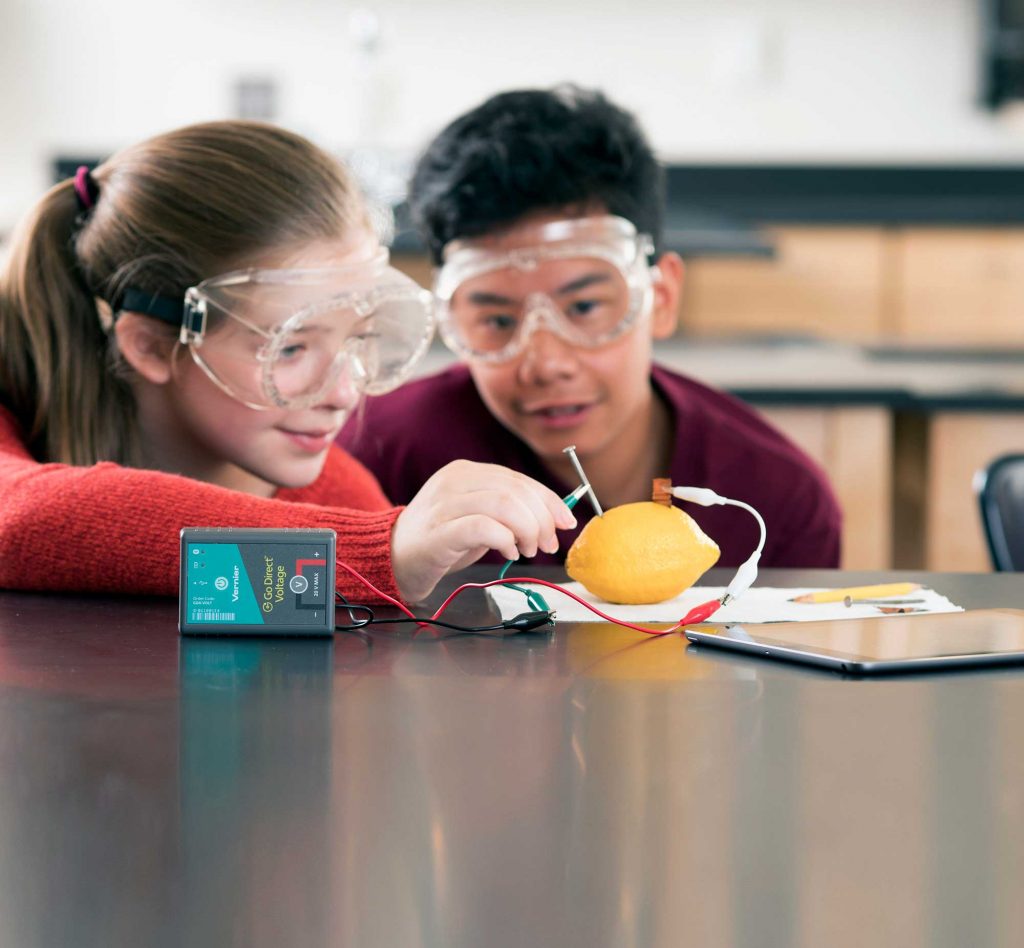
(899, 432)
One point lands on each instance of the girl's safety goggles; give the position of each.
(586, 279)
(285, 338)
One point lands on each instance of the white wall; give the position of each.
(818, 80)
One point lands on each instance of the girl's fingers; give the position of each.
(473, 532)
(546, 518)
(525, 517)
(467, 508)
(560, 514)
(471, 476)
(528, 519)
(513, 513)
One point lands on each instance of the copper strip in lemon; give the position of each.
(661, 491)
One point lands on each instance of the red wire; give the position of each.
(383, 595)
(697, 614)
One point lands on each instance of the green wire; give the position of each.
(534, 599)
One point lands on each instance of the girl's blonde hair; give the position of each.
(170, 212)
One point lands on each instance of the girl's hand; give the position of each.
(463, 511)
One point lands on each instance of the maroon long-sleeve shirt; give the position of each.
(405, 436)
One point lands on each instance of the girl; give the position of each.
(182, 334)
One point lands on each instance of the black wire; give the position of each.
(356, 624)
(463, 629)
(352, 608)
(443, 625)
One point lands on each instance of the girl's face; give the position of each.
(203, 432)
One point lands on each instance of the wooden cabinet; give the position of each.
(960, 286)
(832, 282)
(919, 285)
(959, 444)
(905, 483)
(854, 446)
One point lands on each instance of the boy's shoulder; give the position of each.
(726, 431)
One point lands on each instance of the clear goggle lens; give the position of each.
(589, 288)
(277, 344)
(586, 301)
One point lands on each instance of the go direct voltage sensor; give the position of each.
(237, 581)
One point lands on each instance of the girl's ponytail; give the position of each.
(55, 354)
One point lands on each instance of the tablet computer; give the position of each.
(977, 638)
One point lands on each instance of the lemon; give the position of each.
(641, 553)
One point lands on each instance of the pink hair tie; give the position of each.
(86, 189)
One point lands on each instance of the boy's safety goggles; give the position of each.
(586, 279)
(284, 338)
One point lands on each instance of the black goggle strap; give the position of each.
(190, 315)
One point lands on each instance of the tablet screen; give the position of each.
(888, 638)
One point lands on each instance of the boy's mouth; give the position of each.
(558, 411)
(560, 416)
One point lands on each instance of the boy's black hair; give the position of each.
(535, 150)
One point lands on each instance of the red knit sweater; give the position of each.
(108, 528)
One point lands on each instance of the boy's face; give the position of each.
(555, 392)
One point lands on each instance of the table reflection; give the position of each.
(255, 789)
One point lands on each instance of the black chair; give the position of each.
(1000, 490)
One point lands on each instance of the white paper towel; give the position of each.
(759, 604)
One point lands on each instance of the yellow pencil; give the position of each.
(858, 592)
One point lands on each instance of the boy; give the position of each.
(543, 210)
